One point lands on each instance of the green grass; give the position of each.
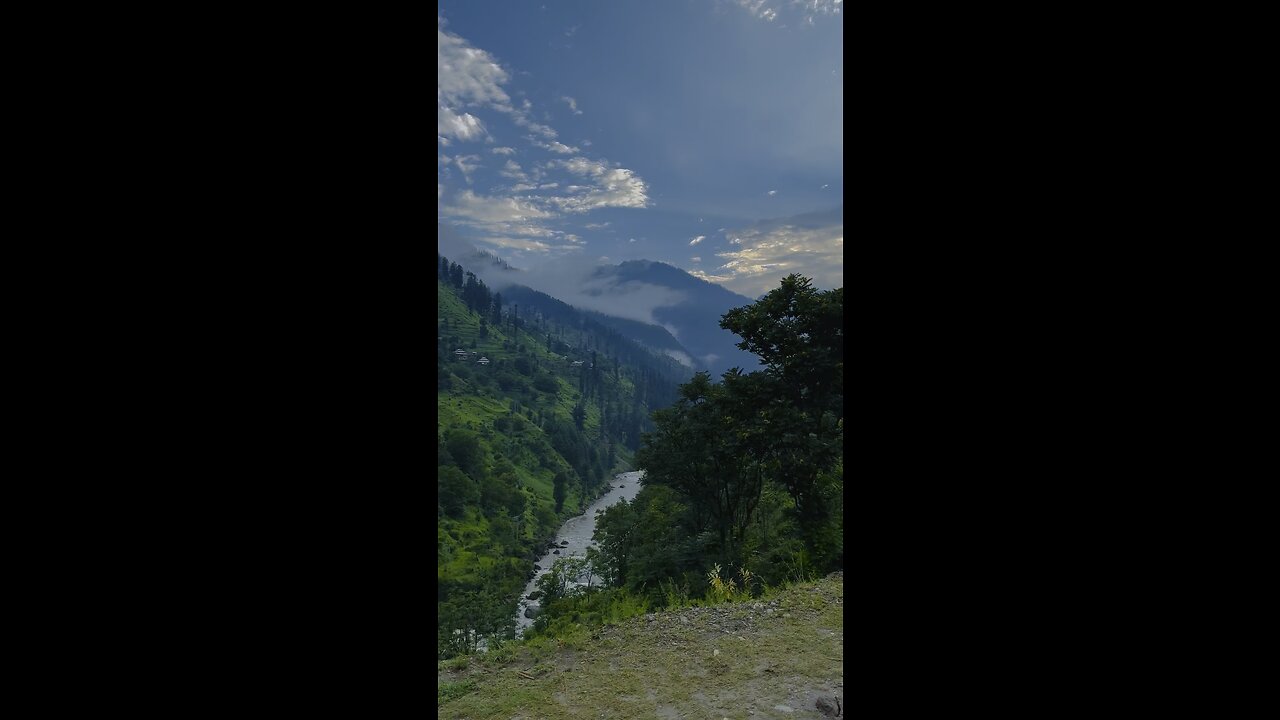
(665, 668)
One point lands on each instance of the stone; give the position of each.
(555, 552)
(564, 543)
(531, 612)
(534, 595)
(537, 567)
(829, 705)
(784, 708)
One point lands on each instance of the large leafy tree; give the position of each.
(721, 444)
(798, 333)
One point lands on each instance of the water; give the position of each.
(577, 531)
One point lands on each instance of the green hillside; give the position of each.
(526, 440)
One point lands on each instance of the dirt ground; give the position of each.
(776, 657)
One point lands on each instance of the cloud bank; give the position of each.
(762, 254)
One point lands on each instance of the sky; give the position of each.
(707, 134)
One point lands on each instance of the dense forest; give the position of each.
(537, 408)
(744, 478)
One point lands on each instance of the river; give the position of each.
(576, 532)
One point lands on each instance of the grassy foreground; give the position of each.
(779, 656)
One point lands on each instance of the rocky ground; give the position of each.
(777, 657)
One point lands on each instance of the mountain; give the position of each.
(695, 320)
(654, 337)
(635, 343)
(659, 306)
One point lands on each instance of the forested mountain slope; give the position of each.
(534, 416)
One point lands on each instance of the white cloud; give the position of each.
(682, 358)
(758, 9)
(586, 143)
(472, 98)
(718, 279)
(465, 76)
(773, 192)
(467, 163)
(631, 240)
(809, 9)
(697, 240)
(464, 127)
(612, 187)
(479, 210)
(516, 243)
(565, 272)
(696, 259)
(597, 226)
(542, 130)
(811, 245)
(824, 187)
(513, 170)
(556, 147)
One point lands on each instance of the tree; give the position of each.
(562, 579)
(464, 448)
(560, 489)
(455, 491)
(798, 332)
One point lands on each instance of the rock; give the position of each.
(784, 708)
(829, 705)
(532, 612)
(534, 595)
(563, 543)
(684, 620)
(555, 552)
(537, 567)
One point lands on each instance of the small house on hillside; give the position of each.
(460, 353)
(576, 363)
(483, 360)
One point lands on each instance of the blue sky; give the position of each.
(707, 134)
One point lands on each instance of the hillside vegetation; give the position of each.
(527, 437)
